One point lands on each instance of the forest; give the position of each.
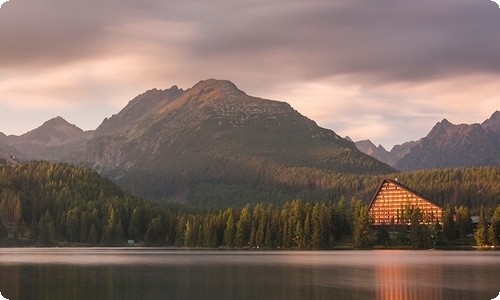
(47, 204)
(233, 181)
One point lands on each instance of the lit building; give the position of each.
(392, 198)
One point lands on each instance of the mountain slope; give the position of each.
(449, 145)
(137, 110)
(388, 157)
(367, 147)
(173, 140)
(213, 116)
(493, 122)
(9, 155)
(53, 140)
(400, 151)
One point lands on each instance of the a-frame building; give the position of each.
(392, 197)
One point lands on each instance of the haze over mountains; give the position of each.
(446, 145)
(213, 140)
(212, 133)
(169, 121)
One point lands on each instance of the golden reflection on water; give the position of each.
(398, 282)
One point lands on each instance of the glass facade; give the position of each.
(392, 198)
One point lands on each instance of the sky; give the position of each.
(384, 70)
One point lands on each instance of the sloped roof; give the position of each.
(402, 186)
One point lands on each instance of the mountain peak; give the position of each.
(57, 121)
(445, 122)
(215, 83)
(493, 122)
(495, 115)
(379, 152)
(54, 131)
(213, 90)
(449, 145)
(137, 110)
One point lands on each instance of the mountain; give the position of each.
(367, 147)
(211, 143)
(141, 108)
(449, 145)
(493, 122)
(9, 155)
(399, 151)
(169, 143)
(213, 115)
(52, 141)
(388, 157)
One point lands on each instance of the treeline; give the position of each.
(57, 204)
(488, 233)
(255, 181)
(307, 225)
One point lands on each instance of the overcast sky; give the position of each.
(385, 70)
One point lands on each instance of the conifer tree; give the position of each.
(243, 227)
(155, 234)
(450, 231)
(494, 230)
(481, 235)
(463, 222)
(362, 223)
(230, 230)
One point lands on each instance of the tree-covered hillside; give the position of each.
(44, 203)
(58, 204)
(254, 181)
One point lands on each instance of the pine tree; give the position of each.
(155, 234)
(494, 230)
(243, 227)
(362, 223)
(419, 234)
(229, 231)
(463, 222)
(450, 231)
(481, 235)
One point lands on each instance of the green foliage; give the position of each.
(155, 234)
(58, 204)
(464, 225)
(48, 204)
(362, 224)
(235, 180)
(494, 230)
(481, 235)
(450, 231)
(419, 233)
(383, 235)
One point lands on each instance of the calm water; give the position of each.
(95, 273)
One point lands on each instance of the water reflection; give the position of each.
(161, 274)
(403, 282)
(437, 275)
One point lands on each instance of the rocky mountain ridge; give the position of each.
(446, 145)
(158, 120)
(178, 143)
(53, 140)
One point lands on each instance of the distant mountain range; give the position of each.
(167, 143)
(214, 143)
(446, 145)
(52, 141)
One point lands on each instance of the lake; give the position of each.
(144, 273)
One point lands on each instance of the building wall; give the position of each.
(391, 199)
